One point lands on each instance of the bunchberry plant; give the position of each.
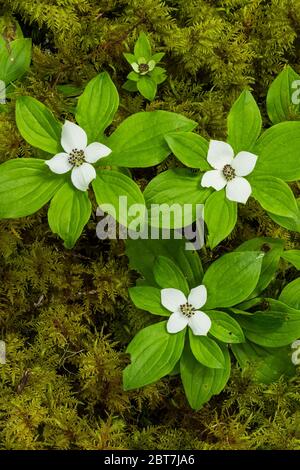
(145, 74)
(208, 314)
(248, 164)
(78, 156)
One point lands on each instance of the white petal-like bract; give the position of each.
(213, 179)
(59, 164)
(135, 67)
(198, 296)
(81, 176)
(200, 323)
(95, 151)
(244, 163)
(73, 137)
(238, 190)
(177, 322)
(171, 299)
(151, 65)
(219, 154)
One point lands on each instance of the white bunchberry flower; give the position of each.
(296, 354)
(229, 171)
(78, 156)
(142, 66)
(185, 311)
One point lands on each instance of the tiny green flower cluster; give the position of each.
(146, 75)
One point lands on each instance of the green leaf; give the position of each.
(139, 140)
(247, 305)
(293, 257)
(197, 380)
(129, 85)
(142, 254)
(225, 328)
(15, 59)
(290, 223)
(37, 125)
(158, 74)
(116, 194)
(206, 351)
(232, 278)
(133, 76)
(201, 382)
(190, 264)
(221, 376)
(26, 185)
(278, 326)
(154, 354)
(177, 198)
(290, 295)
(97, 106)
(275, 196)
(142, 47)
(68, 213)
(191, 149)
(265, 364)
(273, 250)
(220, 216)
(69, 91)
(280, 97)
(157, 57)
(278, 151)
(244, 123)
(148, 298)
(129, 57)
(167, 274)
(176, 370)
(147, 88)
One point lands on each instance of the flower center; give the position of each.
(187, 310)
(229, 172)
(143, 68)
(76, 157)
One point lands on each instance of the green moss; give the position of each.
(65, 315)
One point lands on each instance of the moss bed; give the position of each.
(65, 315)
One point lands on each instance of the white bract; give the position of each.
(185, 311)
(78, 156)
(296, 354)
(229, 171)
(142, 66)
